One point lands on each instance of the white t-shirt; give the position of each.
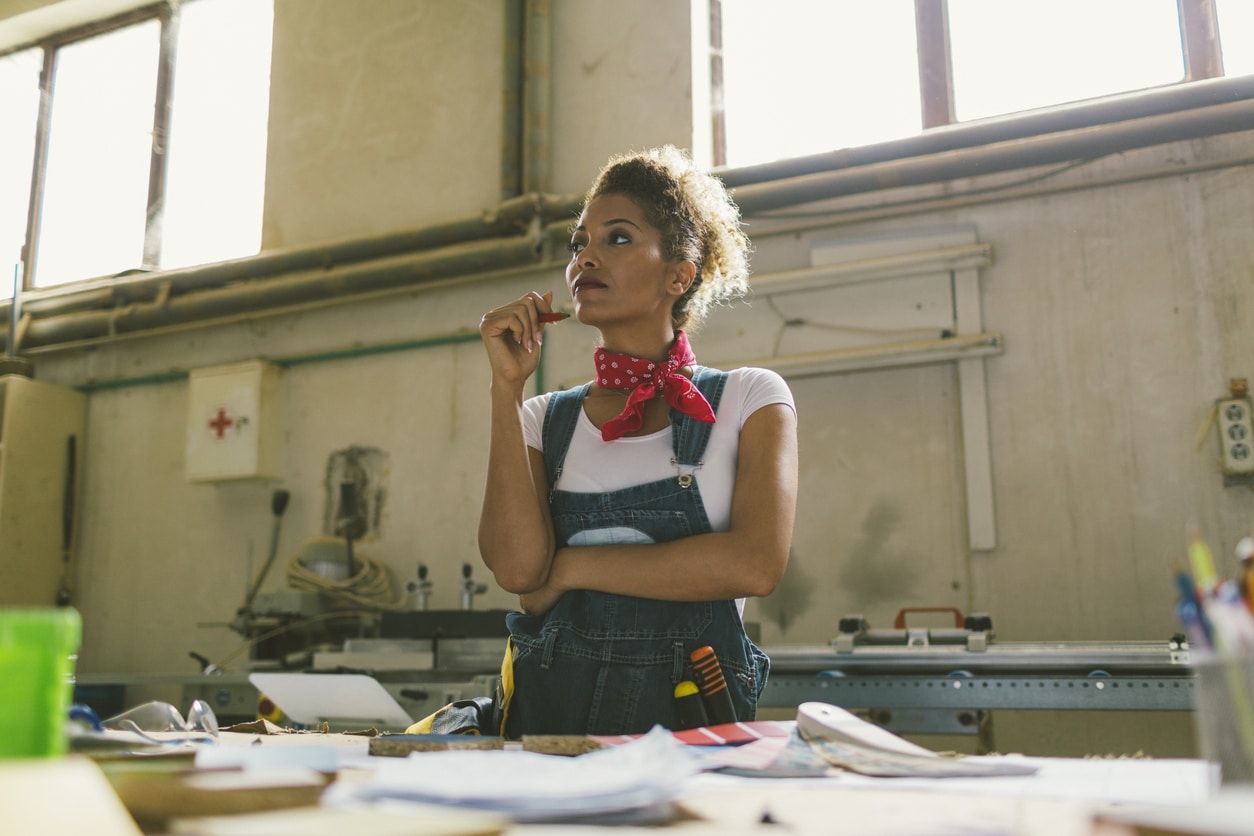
(594, 465)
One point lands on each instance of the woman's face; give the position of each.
(617, 270)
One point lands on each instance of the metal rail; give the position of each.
(1087, 676)
(1060, 692)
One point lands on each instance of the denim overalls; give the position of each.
(599, 663)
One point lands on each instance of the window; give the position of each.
(807, 76)
(141, 169)
(100, 138)
(1009, 57)
(216, 176)
(1236, 25)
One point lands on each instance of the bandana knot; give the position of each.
(647, 379)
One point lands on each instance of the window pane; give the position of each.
(19, 102)
(1009, 57)
(806, 76)
(1236, 35)
(217, 149)
(100, 145)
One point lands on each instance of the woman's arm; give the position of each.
(747, 560)
(515, 528)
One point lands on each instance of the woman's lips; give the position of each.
(582, 284)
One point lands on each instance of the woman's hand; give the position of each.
(512, 335)
(540, 601)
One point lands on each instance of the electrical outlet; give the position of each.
(1236, 435)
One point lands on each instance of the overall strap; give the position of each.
(560, 420)
(688, 435)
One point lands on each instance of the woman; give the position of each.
(634, 514)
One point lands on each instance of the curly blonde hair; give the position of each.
(697, 218)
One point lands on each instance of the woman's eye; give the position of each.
(619, 238)
(575, 247)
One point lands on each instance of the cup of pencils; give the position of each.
(1218, 621)
(1224, 714)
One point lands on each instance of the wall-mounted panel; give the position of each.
(41, 438)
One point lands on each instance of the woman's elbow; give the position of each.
(518, 581)
(768, 571)
(517, 567)
(762, 586)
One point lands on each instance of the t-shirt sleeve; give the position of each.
(533, 420)
(763, 387)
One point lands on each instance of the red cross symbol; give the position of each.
(220, 423)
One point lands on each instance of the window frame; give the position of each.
(167, 15)
(1199, 39)
(1199, 45)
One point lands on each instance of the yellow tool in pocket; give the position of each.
(480, 715)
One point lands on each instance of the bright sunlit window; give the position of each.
(1009, 57)
(217, 165)
(808, 76)
(99, 148)
(117, 196)
(1236, 28)
(805, 76)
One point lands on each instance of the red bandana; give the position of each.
(645, 378)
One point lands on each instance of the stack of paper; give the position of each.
(844, 740)
(636, 782)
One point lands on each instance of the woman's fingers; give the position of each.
(520, 318)
(503, 322)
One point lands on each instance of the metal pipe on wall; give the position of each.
(1085, 143)
(948, 201)
(525, 146)
(1136, 105)
(285, 291)
(347, 353)
(537, 93)
(510, 218)
(512, 101)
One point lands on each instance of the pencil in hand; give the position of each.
(553, 316)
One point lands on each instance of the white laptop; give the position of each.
(341, 700)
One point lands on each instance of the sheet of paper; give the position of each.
(1113, 780)
(526, 786)
(317, 758)
(847, 741)
(354, 700)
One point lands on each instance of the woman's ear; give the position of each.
(682, 277)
